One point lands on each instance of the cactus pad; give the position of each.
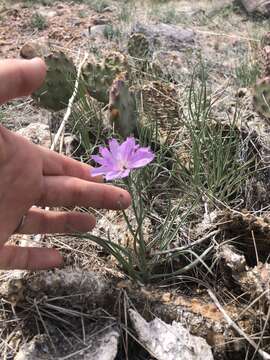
(60, 78)
(265, 40)
(138, 46)
(263, 55)
(265, 61)
(159, 101)
(261, 97)
(115, 60)
(99, 76)
(122, 107)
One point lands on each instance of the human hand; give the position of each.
(31, 175)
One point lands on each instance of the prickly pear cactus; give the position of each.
(264, 55)
(99, 76)
(265, 40)
(261, 90)
(138, 46)
(159, 101)
(122, 108)
(59, 83)
(264, 62)
(58, 86)
(115, 61)
(261, 97)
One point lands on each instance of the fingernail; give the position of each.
(124, 201)
(38, 63)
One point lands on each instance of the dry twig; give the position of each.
(231, 323)
(70, 104)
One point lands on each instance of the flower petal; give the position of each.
(124, 173)
(127, 148)
(113, 175)
(98, 159)
(105, 163)
(142, 157)
(108, 159)
(105, 153)
(102, 170)
(114, 149)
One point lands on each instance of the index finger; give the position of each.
(55, 164)
(20, 77)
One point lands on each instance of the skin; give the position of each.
(34, 176)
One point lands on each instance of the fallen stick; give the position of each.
(70, 104)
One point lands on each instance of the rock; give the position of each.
(170, 63)
(170, 37)
(48, 14)
(104, 346)
(114, 223)
(233, 259)
(37, 348)
(169, 342)
(32, 49)
(231, 262)
(109, 9)
(38, 133)
(97, 31)
(256, 282)
(99, 20)
(97, 26)
(60, 6)
(99, 345)
(257, 6)
(12, 286)
(17, 119)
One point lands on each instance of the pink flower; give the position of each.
(117, 161)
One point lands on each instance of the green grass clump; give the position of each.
(170, 16)
(42, 2)
(97, 5)
(217, 168)
(150, 261)
(38, 21)
(247, 73)
(111, 32)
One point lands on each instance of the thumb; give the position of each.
(20, 77)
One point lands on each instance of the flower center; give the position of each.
(123, 165)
